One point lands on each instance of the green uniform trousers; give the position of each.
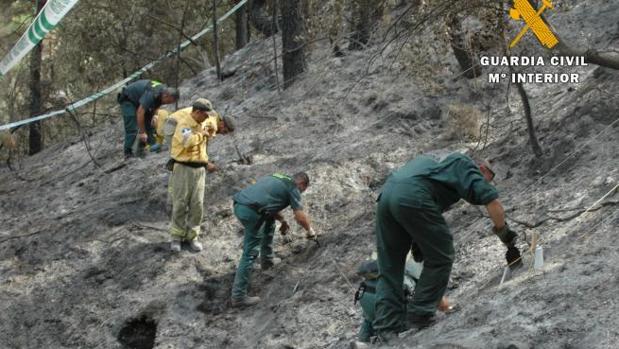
(405, 213)
(187, 193)
(258, 240)
(128, 111)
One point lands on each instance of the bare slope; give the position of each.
(83, 251)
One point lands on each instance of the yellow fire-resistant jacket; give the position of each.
(213, 121)
(188, 143)
(161, 117)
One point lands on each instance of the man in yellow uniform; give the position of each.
(159, 121)
(189, 152)
(168, 124)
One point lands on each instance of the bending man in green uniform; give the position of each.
(257, 207)
(409, 217)
(138, 103)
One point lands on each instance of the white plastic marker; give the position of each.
(48, 18)
(539, 258)
(119, 84)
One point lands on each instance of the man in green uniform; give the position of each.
(257, 207)
(366, 295)
(409, 215)
(138, 103)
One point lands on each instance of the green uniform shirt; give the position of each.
(456, 177)
(146, 93)
(271, 194)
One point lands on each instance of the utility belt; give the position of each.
(259, 210)
(122, 97)
(171, 162)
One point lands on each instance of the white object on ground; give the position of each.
(539, 258)
(507, 272)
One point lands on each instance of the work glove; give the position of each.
(416, 252)
(507, 236)
(512, 256)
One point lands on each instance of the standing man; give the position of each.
(138, 103)
(189, 152)
(408, 216)
(257, 207)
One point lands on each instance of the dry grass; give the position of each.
(8, 141)
(463, 121)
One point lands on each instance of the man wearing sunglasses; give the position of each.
(409, 217)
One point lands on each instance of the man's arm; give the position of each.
(141, 128)
(303, 219)
(507, 236)
(496, 213)
(186, 137)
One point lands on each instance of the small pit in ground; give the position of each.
(138, 333)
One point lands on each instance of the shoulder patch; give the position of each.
(186, 131)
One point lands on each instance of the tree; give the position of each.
(293, 40)
(35, 136)
(365, 15)
(467, 61)
(241, 24)
(259, 18)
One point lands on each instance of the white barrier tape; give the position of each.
(72, 107)
(48, 18)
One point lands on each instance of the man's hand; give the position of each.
(208, 131)
(211, 167)
(444, 305)
(143, 137)
(284, 228)
(311, 234)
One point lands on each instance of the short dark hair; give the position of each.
(229, 122)
(172, 91)
(303, 177)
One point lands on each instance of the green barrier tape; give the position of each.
(48, 18)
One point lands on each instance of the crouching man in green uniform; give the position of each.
(409, 215)
(257, 207)
(366, 295)
(138, 103)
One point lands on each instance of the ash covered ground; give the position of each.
(84, 258)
